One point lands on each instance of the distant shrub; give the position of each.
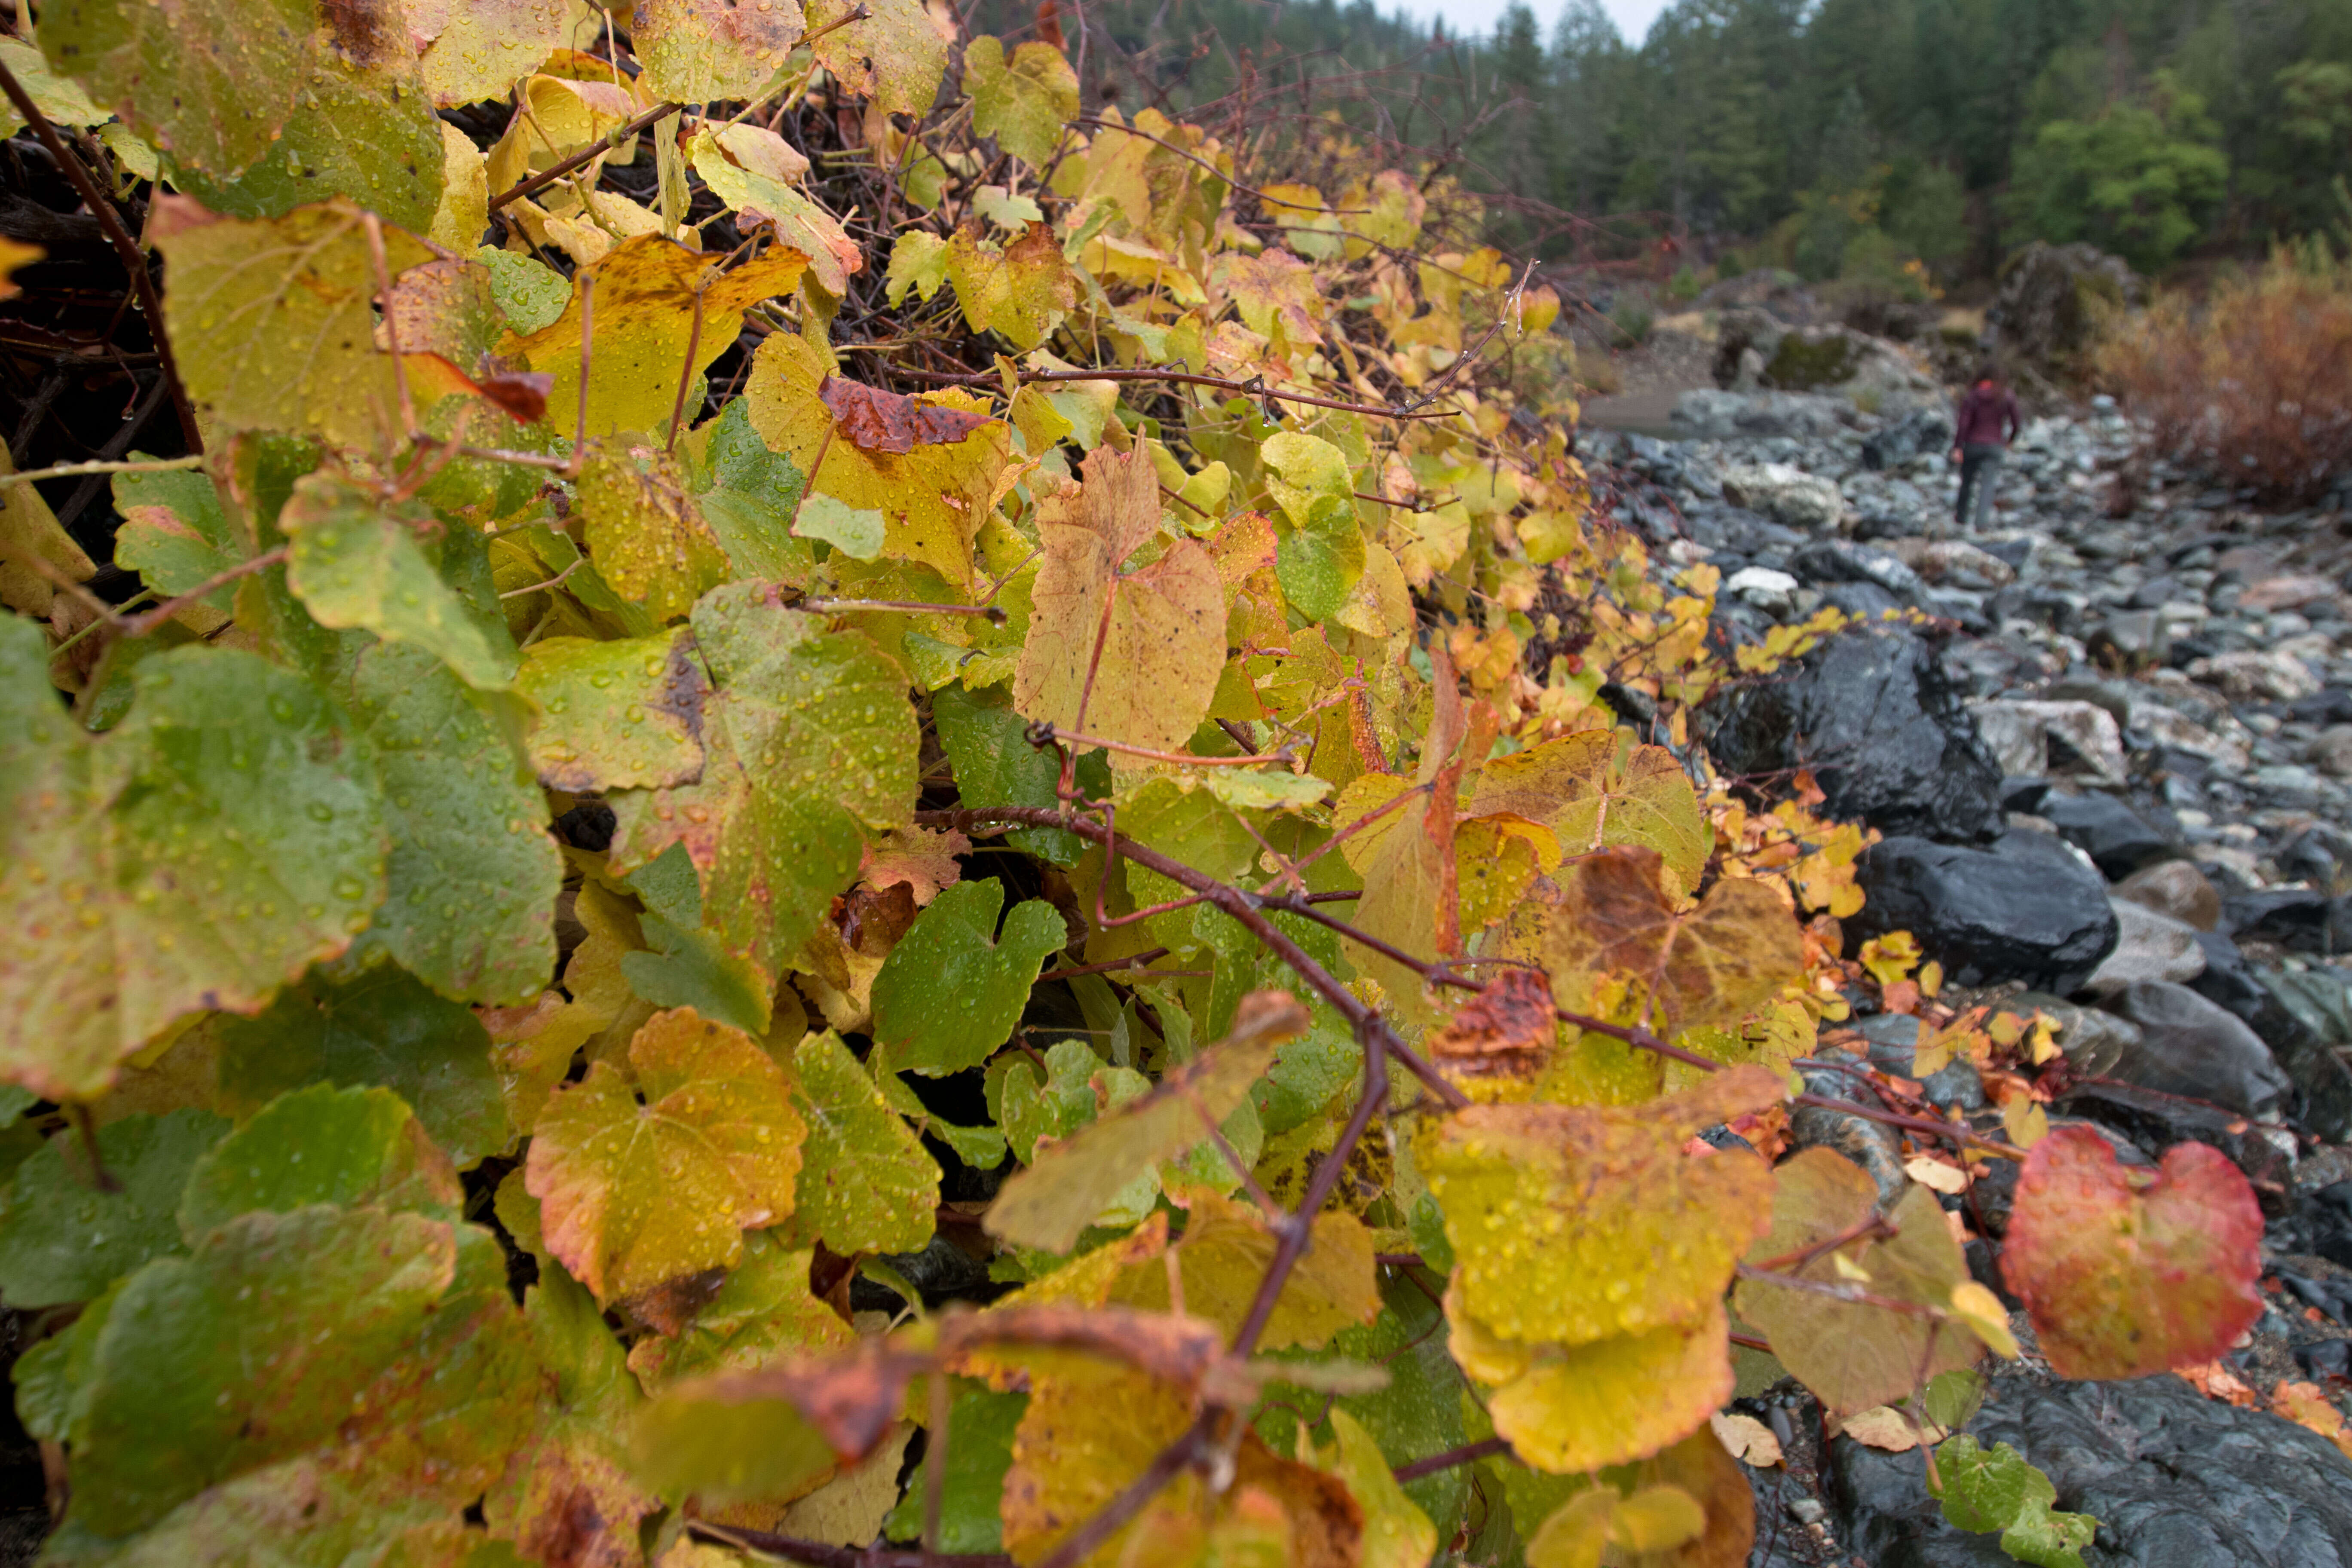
(1632, 320)
(1685, 286)
(2257, 380)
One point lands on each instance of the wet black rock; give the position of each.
(2118, 840)
(1839, 560)
(2175, 1479)
(1880, 724)
(2293, 918)
(2025, 908)
(2193, 1046)
(1924, 432)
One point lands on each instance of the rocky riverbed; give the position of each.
(2111, 759)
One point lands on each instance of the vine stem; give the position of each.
(1242, 906)
(1252, 388)
(134, 260)
(135, 466)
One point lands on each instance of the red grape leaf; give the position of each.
(2127, 1272)
(878, 421)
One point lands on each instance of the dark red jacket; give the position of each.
(1989, 416)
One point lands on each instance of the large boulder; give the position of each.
(2025, 908)
(2052, 299)
(2119, 840)
(2192, 1046)
(1876, 720)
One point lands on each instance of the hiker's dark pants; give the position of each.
(1979, 466)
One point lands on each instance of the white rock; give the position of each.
(2257, 676)
(1785, 495)
(1769, 591)
(2020, 733)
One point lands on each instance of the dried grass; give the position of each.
(2255, 382)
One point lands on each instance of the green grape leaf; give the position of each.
(1048, 1205)
(63, 1239)
(52, 1375)
(320, 1145)
(683, 966)
(327, 1376)
(1856, 1354)
(634, 1195)
(772, 1432)
(1999, 1491)
(750, 501)
(356, 561)
(174, 534)
(1022, 102)
(198, 857)
(1591, 790)
(856, 532)
(363, 129)
(644, 532)
(471, 884)
(374, 1026)
(1573, 1224)
(569, 1493)
(2127, 1272)
(625, 714)
(810, 743)
(1135, 659)
(211, 82)
(528, 292)
(987, 744)
(696, 51)
(895, 59)
(869, 1186)
(763, 1312)
(754, 172)
(273, 320)
(60, 98)
(980, 1423)
(644, 320)
(951, 990)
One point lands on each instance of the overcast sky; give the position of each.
(1633, 16)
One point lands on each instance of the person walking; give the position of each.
(1988, 421)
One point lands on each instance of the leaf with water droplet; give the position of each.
(868, 1184)
(170, 865)
(1593, 790)
(212, 81)
(636, 1193)
(62, 1239)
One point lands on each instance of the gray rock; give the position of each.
(2252, 675)
(2148, 946)
(2118, 840)
(1711, 415)
(2175, 1479)
(2025, 908)
(1873, 1146)
(2177, 889)
(2331, 751)
(1787, 495)
(2032, 739)
(2135, 639)
(2193, 1047)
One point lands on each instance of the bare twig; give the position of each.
(134, 260)
(1468, 1454)
(139, 466)
(608, 142)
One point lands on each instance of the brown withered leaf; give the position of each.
(1505, 1028)
(878, 421)
(521, 394)
(1705, 964)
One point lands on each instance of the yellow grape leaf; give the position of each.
(1496, 860)
(1568, 1408)
(1854, 1355)
(696, 51)
(1397, 1533)
(479, 48)
(896, 57)
(646, 297)
(1049, 1203)
(1135, 659)
(1708, 965)
(644, 532)
(1022, 288)
(933, 498)
(751, 171)
(1090, 1430)
(273, 320)
(1022, 102)
(1223, 1255)
(1593, 792)
(636, 1193)
(625, 714)
(29, 528)
(1577, 1223)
